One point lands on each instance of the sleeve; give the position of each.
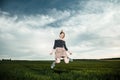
(65, 46)
(54, 44)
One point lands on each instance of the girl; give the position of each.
(60, 50)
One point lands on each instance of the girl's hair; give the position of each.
(62, 33)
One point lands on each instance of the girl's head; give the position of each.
(62, 34)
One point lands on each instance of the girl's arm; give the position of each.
(65, 46)
(53, 51)
(69, 52)
(67, 49)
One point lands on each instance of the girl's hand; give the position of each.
(69, 52)
(52, 51)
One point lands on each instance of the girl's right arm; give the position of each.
(53, 51)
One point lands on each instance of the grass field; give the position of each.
(77, 70)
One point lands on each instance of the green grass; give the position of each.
(77, 70)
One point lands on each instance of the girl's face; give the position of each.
(62, 35)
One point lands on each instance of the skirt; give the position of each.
(60, 53)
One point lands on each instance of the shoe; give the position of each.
(52, 65)
(70, 59)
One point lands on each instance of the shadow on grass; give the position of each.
(60, 71)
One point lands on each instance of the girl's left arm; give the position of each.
(67, 49)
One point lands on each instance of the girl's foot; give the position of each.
(52, 65)
(70, 59)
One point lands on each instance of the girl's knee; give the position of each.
(66, 60)
(57, 60)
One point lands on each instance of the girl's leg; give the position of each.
(70, 59)
(56, 61)
(66, 60)
(53, 65)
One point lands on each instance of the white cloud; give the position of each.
(93, 33)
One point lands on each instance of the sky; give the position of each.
(28, 28)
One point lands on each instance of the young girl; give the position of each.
(60, 50)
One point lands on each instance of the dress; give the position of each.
(60, 48)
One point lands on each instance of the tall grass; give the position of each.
(77, 70)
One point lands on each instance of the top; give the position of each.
(60, 43)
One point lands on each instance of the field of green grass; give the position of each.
(76, 70)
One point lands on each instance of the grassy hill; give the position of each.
(76, 70)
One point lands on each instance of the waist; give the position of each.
(60, 48)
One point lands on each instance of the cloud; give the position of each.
(91, 32)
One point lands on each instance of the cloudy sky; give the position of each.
(28, 28)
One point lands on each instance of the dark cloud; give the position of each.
(43, 6)
(35, 6)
